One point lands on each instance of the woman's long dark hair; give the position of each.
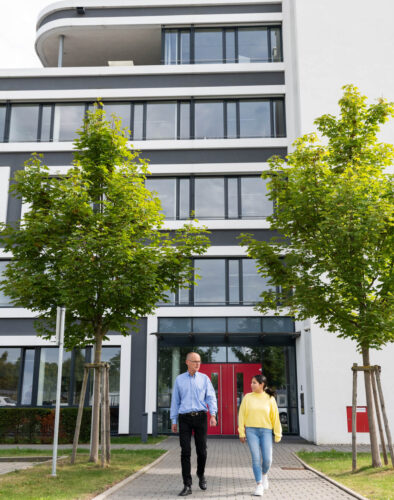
(263, 380)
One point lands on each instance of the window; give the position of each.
(24, 123)
(47, 378)
(161, 120)
(68, 119)
(4, 300)
(211, 287)
(223, 45)
(209, 198)
(27, 379)
(112, 356)
(238, 197)
(222, 282)
(10, 359)
(208, 46)
(166, 191)
(252, 45)
(154, 120)
(209, 120)
(121, 110)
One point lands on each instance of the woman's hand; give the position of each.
(242, 439)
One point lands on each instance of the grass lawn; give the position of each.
(375, 484)
(81, 481)
(136, 439)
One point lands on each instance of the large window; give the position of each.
(149, 120)
(28, 376)
(222, 282)
(212, 197)
(222, 45)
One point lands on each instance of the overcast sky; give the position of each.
(17, 32)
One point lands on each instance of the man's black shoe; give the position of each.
(187, 490)
(202, 482)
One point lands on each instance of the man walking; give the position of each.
(192, 396)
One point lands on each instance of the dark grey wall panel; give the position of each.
(229, 237)
(161, 11)
(12, 327)
(141, 81)
(138, 377)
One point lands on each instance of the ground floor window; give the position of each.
(230, 367)
(28, 375)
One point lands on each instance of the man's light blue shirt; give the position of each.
(192, 393)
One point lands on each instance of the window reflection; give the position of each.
(120, 110)
(209, 198)
(27, 382)
(24, 123)
(208, 46)
(166, 191)
(254, 196)
(255, 119)
(210, 289)
(253, 283)
(161, 120)
(209, 120)
(68, 119)
(10, 359)
(47, 378)
(252, 45)
(112, 356)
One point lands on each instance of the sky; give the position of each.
(17, 32)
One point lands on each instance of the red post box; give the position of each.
(361, 419)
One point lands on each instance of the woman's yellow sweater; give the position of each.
(259, 410)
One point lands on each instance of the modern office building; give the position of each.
(210, 91)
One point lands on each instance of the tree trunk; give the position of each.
(376, 462)
(96, 402)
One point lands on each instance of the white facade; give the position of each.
(326, 44)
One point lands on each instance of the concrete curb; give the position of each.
(332, 481)
(122, 483)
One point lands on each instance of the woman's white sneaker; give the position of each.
(265, 482)
(259, 491)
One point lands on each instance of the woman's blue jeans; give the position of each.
(260, 445)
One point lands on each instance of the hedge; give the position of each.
(35, 425)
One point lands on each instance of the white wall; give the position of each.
(340, 42)
(332, 377)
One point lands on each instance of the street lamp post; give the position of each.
(60, 319)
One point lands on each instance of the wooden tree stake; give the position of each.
(354, 419)
(385, 420)
(378, 417)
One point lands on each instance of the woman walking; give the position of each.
(258, 418)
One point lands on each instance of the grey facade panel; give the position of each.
(161, 11)
(10, 327)
(141, 81)
(138, 377)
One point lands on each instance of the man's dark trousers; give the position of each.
(198, 424)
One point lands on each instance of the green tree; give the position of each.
(334, 204)
(92, 243)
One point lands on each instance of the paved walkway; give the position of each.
(229, 475)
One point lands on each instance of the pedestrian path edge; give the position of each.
(329, 479)
(127, 480)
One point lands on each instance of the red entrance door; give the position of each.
(231, 382)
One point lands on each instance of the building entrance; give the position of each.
(231, 382)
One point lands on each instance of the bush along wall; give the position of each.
(36, 425)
